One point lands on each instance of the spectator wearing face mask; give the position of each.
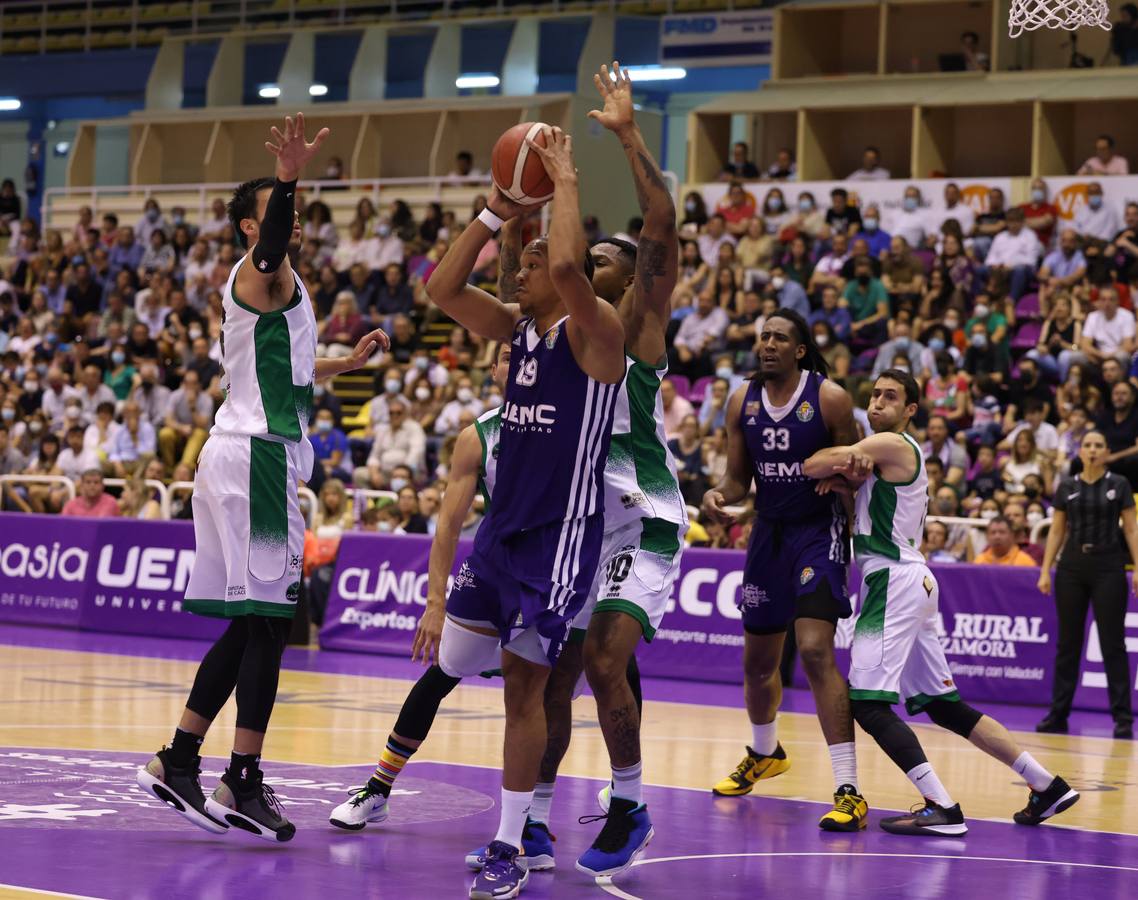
(330, 447)
(464, 401)
(1039, 214)
(982, 358)
(877, 240)
(836, 354)
(902, 344)
(911, 222)
(868, 304)
(788, 294)
(56, 396)
(1097, 222)
(152, 220)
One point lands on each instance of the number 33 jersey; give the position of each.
(779, 440)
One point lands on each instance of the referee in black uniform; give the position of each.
(1091, 573)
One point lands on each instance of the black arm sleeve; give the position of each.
(276, 228)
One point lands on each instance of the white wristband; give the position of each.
(491, 221)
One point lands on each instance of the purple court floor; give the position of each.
(73, 821)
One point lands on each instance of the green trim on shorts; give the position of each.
(576, 636)
(268, 494)
(660, 536)
(883, 696)
(918, 702)
(228, 609)
(872, 618)
(616, 604)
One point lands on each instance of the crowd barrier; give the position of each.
(128, 577)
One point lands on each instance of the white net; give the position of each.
(1028, 15)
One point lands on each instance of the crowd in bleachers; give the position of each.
(1019, 329)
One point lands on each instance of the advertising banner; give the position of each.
(997, 630)
(717, 39)
(118, 575)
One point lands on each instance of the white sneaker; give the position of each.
(365, 806)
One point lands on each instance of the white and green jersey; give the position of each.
(640, 473)
(889, 518)
(269, 363)
(489, 428)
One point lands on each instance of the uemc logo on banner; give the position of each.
(142, 568)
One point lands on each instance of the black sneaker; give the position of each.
(929, 820)
(1052, 725)
(251, 806)
(179, 788)
(1043, 805)
(1123, 730)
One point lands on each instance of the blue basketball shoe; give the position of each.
(537, 843)
(626, 833)
(502, 875)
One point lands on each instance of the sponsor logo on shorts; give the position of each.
(805, 412)
(235, 590)
(753, 597)
(633, 500)
(292, 592)
(465, 578)
(807, 576)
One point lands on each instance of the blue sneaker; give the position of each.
(537, 843)
(502, 876)
(626, 833)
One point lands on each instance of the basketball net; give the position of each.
(1028, 15)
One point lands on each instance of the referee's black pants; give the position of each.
(1098, 581)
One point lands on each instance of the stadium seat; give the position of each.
(1028, 307)
(699, 390)
(681, 384)
(1027, 335)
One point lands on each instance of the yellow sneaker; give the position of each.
(753, 768)
(850, 811)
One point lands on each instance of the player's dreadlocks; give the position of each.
(811, 360)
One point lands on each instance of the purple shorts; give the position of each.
(532, 579)
(787, 564)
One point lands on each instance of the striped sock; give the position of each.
(395, 756)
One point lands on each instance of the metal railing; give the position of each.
(99, 198)
(40, 26)
(60, 480)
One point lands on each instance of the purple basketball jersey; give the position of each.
(779, 441)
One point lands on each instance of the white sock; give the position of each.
(764, 738)
(924, 780)
(843, 760)
(515, 807)
(626, 783)
(542, 801)
(1033, 773)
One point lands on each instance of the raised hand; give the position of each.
(365, 348)
(505, 208)
(556, 155)
(617, 97)
(292, 149)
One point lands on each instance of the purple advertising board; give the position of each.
(118, 575)
(997, 630)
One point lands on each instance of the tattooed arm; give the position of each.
(646, 317)
(509, 259)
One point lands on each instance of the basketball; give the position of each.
(519, 173)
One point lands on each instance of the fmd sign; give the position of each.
(722, 39)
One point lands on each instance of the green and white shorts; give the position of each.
(638, 567)
(896, 651)
(248, 529)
